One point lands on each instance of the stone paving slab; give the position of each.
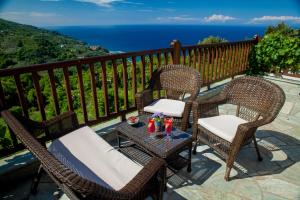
(276, 177)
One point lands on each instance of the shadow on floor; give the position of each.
(279, 151)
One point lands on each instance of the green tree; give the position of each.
(212, 40)
(281, 28)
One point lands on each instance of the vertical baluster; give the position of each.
(202, 63)
(230, 60)
(244, 55)
(143, 71)
(68, 88)
(184, 56)
(217, 66)
(134, 84)
(235, 57)
(199, 60)
(115, 85)
(226, 61)
(125, 82)
(53, 91)
(81, 90)
(151, 64)
(213, 66)
(221, 63)
(190, 57)
(208, 77)
(240, 57)
(166, 58)
(195, 58)
(38, 94)
(94, 89)
(248, 49)
(22, 99)
(104, 87)
(158, 59)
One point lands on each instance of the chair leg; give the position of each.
(195, 147)
(257, 149)
(36, 180)
(227, 173)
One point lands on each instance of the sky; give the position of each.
(114, 12)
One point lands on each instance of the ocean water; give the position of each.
(128, 38)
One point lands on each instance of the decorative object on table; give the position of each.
(133, 120)
(158, 118)
(168, 126)
(151, 126)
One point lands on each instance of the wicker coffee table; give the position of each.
(168, 148)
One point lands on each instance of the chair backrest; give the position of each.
(255, 97)
(176, 80)
(52, 166)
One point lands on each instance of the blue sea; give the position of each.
(128, 38)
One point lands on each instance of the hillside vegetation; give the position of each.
(25, 45)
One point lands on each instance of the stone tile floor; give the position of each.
(276, 177)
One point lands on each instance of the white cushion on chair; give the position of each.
(224, 126)
(91, 157)
(168, 107)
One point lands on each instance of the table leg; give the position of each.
(189, 168)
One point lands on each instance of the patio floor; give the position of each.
(276, 177)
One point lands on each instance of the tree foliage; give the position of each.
(279, 49)
(212, 40)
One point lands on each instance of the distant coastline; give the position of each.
(126, 38)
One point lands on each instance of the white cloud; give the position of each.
(103, 3)
(218, 18)
(181, 18)
(275, 18)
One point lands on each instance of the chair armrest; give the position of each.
(143, 99)
(186, 114)
(155, 167)
(61, 125)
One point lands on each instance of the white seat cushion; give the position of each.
(168, 107)
(224, 126)
(91, 157)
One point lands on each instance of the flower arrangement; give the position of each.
(157, 116)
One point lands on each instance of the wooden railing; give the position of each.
(113, 80)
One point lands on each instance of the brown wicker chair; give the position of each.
(148, 181)
(176, 80)
(258, 103)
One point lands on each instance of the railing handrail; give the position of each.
(73, 62)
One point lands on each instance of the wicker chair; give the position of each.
(148, 181)
(258, 103)
(177, 81)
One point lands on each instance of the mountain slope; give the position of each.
(22, 45)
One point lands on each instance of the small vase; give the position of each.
(157, 126)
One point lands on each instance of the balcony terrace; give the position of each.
(276, 177)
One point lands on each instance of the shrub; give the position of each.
(275, 52)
